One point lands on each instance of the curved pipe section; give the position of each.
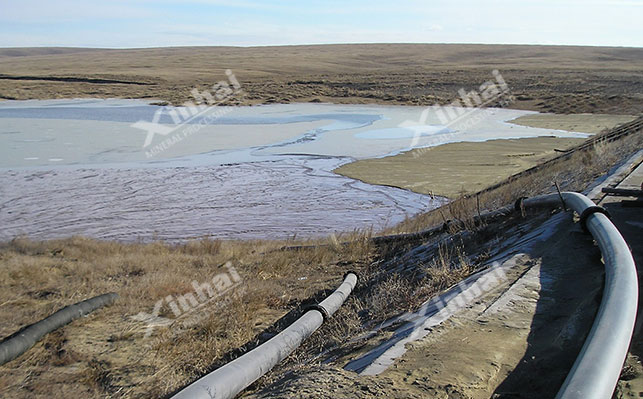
(227, 381)
(597, 368)
(20, 342)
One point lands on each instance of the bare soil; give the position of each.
(455, 169)
(585, 123)
(451, 170)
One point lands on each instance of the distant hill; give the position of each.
(37, 51)
(545, 78)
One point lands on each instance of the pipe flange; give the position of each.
(320, 309)
(589, 211)
(518, 205)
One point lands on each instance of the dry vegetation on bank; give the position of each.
(106, 355)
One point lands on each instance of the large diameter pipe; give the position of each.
(20, 342)
(230, 379)
(597, 368)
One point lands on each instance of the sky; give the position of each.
(156, 23)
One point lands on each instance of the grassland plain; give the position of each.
(560, 79)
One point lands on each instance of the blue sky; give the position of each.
(150, 23)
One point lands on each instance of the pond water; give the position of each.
(126, 170)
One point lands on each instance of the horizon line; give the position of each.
(322, 44)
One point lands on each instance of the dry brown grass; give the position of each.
(561, 79)
(105, 354)
(381, 294)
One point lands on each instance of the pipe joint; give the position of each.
(588, 212)
(318, 308)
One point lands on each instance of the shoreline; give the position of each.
(410, 167)
(517, 105)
